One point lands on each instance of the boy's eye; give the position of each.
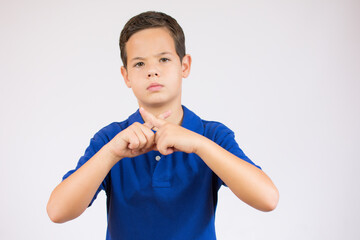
(164, 60)
(139, 64)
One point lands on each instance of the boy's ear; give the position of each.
(125, 76)
(186, 65)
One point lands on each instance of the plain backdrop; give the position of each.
(283, 75)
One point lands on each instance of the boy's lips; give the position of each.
(154, 87)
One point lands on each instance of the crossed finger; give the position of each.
(154, 122)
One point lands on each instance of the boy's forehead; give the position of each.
(152, 41)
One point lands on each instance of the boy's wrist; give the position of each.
(201, 144)
(113, 156)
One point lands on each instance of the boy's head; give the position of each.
(152, 19)
(153, 53)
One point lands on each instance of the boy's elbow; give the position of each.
(54, 214)
(271, 201)
(55, 219)
(269, 207)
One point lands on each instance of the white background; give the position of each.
(284, 75)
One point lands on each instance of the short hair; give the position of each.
(152, 19)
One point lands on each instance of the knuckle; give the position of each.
(162, 151)
(134, 141)
(149, 139)
(143, 142)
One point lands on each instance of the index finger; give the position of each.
(151, 121)
(164, 115)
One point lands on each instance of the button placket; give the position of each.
(161, 175)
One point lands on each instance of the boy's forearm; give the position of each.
(73, 195)
(246, 181)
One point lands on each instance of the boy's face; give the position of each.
(154, 71)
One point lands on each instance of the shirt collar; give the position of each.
(190, 120)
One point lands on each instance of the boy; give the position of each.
(162, 167)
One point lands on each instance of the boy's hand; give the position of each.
(135, 140)
(171, 137)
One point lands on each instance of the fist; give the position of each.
(135, 140)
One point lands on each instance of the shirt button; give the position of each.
(157, 158)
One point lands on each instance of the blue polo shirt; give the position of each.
(162, 197)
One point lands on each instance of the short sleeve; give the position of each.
(226, 139)
(96, 143)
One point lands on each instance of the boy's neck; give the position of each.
(176, 112)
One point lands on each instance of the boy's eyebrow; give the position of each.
(157, 55)
(163, 53)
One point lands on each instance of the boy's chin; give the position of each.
(155, 104)
(160, 101)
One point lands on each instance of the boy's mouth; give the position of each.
(154, 87)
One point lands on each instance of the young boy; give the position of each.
(161, 168)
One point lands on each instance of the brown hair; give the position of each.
(152, 19)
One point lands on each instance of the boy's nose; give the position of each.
(152, 74)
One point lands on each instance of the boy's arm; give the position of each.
(246, 181)
(73, 195)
